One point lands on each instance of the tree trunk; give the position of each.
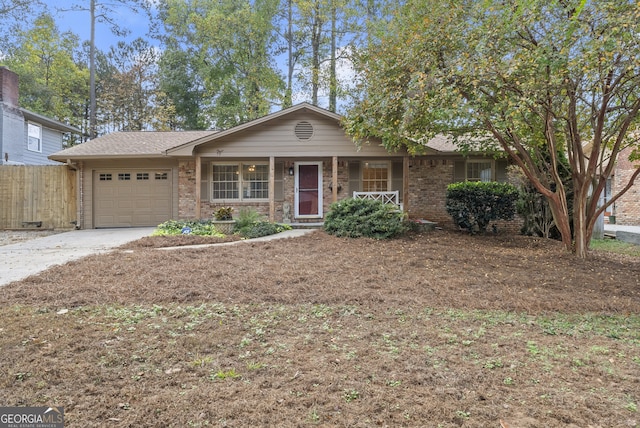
(560, 210)
(581, 234)
(333, 79)
(288, 97)
(93, 133)
(316, 37)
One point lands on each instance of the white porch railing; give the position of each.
(384, 197)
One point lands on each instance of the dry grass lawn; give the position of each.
(434, 330)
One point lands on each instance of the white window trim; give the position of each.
(33, 126)
(387, 162)
(241, 198)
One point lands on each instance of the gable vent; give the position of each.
(304, 130)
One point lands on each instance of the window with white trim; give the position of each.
(375, 176)
(34, 138)
(240, 181)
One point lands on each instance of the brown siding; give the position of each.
(277, 138)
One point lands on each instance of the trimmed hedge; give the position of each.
(355, 218)
(474, 204)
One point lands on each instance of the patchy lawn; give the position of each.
(442, 329)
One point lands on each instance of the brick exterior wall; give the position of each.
(187, 189)
(428, 180)
(627, 208)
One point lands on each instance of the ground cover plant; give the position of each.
(441, 329)
(174, 233)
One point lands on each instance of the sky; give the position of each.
(79, 22)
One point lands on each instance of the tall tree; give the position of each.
(127, 89)
(539, 77)
(183, 88)
(293, 41)
(102, 12)
(232, 44)
(52, 83)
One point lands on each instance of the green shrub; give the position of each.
(261, 228)
(356, 218)
(473, 205)
(247, 217)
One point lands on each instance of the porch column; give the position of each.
(198, 185)
(405, 184)
(272, 189)
(334, 179)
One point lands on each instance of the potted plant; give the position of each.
(223, 220)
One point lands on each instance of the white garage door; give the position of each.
(132, 197)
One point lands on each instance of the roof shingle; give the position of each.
(131, 144)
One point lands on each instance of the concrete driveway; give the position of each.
(18, 261)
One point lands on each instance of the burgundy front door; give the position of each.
(309, 190)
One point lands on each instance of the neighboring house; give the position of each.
(290, 166)
(626, 210)
(26, 138)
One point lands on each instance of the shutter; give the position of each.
(501, 170)
(396, 178)
(204, 182)
(459, 171)
(279, 181)
(354, 177)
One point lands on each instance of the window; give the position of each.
(225, 183)
(161, 176)
(479, 171)
(245, 181)
(142, 176)
(105, 177)
(255, 181)
(375, 177)
(124, 176)
(34, 138)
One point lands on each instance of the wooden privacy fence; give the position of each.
(37, 197)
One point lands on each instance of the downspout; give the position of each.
(79, 185)
(80, 208)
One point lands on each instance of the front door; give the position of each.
(308, 191)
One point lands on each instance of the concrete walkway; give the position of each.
(20, 260)
(612, 228)
(629, 234)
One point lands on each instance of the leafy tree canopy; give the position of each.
(51, 82)
(230, 42)
(535, 77)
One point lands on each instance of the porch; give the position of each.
(299, 191)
